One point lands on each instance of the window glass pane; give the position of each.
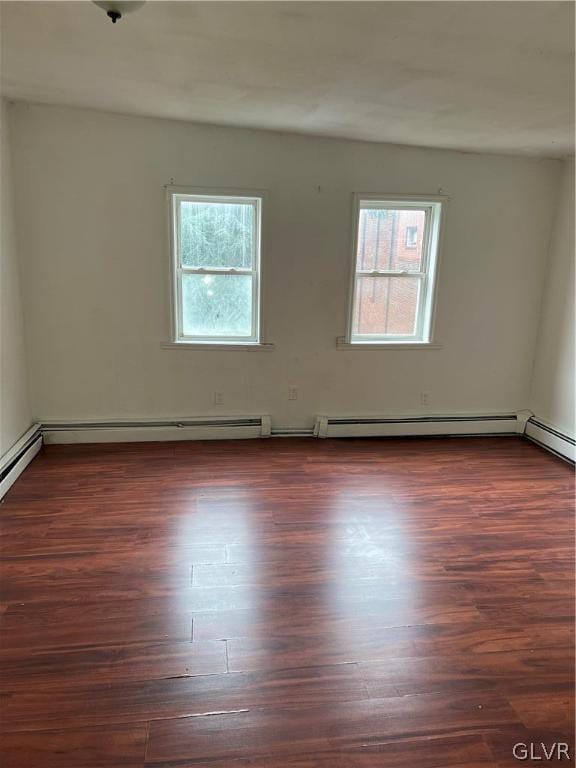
(216, 234)
(390, 240)
(216, 305)
(386, 306)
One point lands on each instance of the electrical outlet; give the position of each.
(218, 398)
(424, 398)
(292, 392)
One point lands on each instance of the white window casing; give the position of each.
(421, 333)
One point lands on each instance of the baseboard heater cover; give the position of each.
(551, 438)
(419, 426)
(17, 458)
(207, 428)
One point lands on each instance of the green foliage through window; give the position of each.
(216, 236)
(219, 235)
(217, 305)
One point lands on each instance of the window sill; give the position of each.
(213, 347)
(342, 344)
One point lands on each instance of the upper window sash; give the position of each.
(248, 201)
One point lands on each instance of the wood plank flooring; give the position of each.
(287, 604)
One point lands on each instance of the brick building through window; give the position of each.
(388, 240)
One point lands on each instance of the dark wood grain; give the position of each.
(258, 732)
(119, 746)
(462, 751)
(286, 604)
(112, 663)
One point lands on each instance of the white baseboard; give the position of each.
(551, 438)
(17, 458)
(408, 426)
(207, 428)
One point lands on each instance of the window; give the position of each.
(395, 255)
(411, 237)
(216, 268)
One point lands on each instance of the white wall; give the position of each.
(15, 416)
(553, 386)
(92, 229)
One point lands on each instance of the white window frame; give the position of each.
(433, 206)
(177, 195)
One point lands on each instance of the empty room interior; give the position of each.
(287, 412)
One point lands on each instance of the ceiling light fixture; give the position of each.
(115, 9)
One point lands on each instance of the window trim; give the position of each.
(177, 339)
(432, 247)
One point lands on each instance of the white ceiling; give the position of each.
(481, 76)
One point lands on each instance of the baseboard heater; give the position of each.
(213, 428)
(551, 438)
(420, 426)
(17, 458)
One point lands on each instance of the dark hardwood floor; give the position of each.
(287, 603)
